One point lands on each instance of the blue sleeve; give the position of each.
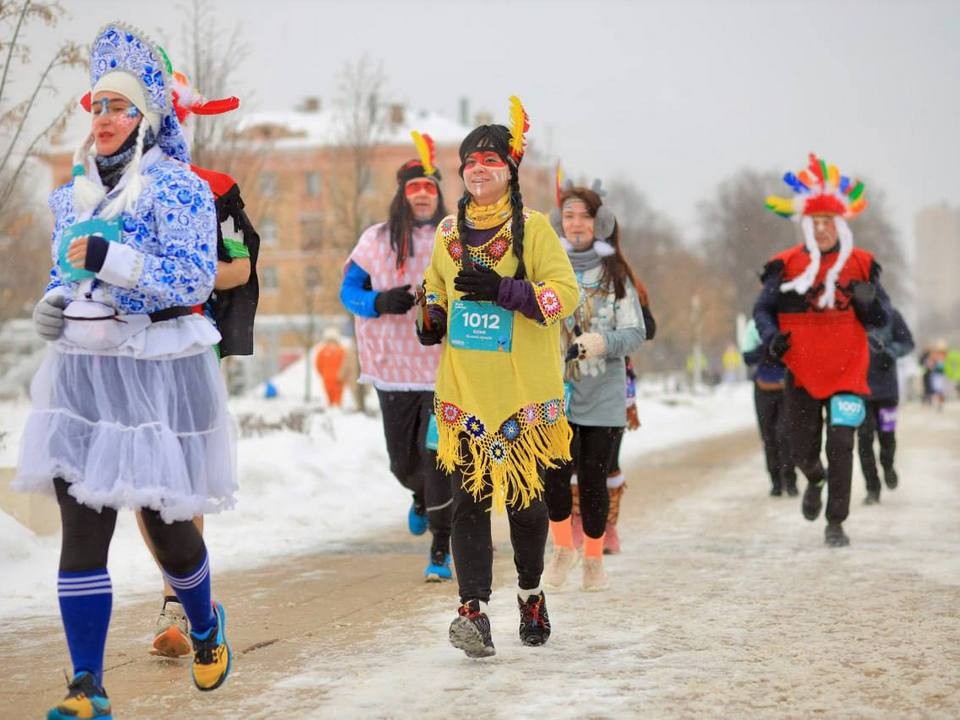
(765, 308)
(356, 293)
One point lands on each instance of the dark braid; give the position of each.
(516, 224)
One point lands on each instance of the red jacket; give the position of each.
(828, 351)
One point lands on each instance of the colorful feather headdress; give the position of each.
(427, 151)
(519, 125)
(819, 189)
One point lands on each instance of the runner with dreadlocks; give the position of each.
(389, 259)
(497, 287)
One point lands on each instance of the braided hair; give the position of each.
(495, 138)
(400, 220)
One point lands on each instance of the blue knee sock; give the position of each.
(193, 591)
(86, 598)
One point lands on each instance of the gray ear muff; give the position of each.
(604, 223)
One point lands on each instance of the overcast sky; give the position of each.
(674, 95)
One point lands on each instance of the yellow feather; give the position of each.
(518, 124)
(423, 150)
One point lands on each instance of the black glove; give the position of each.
(864, 293)
(779, 345)
(478, 283)
(438, 328)
(395, 301)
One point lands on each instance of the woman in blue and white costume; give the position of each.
(129, 408)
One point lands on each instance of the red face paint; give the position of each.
(487, 158)
(414, 187)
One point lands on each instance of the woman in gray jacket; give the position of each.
(607, 326)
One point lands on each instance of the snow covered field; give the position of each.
(300, 492)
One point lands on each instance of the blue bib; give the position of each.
(433, 434)
(847, 410)
(107, 229)
(480, 326)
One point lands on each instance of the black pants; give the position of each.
(877, 423)
(473, 543)
(805, 416)
(87, 534)
(772, 421)
(593, 446)
(614, 465)
(406, 414)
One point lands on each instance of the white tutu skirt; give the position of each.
(131, 433)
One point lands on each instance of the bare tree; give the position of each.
(23, 218)
(361, 122)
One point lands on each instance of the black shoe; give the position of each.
(872, 498)
(534, 620)
(812, 503)
(890, 478)
(470, 631)
(776, 490)
(834, 536)
(791, 486)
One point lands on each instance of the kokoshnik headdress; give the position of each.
(123, 60)
(820, 189)
(604, 222)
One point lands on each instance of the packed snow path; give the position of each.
(725, 603)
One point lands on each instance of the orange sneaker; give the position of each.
(172, 638)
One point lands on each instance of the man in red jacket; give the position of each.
(817, 298)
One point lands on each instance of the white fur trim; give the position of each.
(123, 83)
(122, 266)
(603, 248)
(828, 298)
(804, 281)
(615, 481)
(592, 345)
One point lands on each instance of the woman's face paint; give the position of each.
(423, 196)
(486, 176)
(577, 224)
(113, 117)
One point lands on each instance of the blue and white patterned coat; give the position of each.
(167, 254)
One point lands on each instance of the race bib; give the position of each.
(847, 410)
(567, 397)
(480, 326)
(107, 229)
(888, 419)
(433, 434)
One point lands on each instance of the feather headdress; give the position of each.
(519, 124)
(819, 189)
(427, 151)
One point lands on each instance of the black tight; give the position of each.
(87, 534)
(593, 447)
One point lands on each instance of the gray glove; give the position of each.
(48, 316)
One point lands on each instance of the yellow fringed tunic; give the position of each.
(507, 405)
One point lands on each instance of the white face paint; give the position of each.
(486, 177)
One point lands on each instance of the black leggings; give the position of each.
(593, 449)
(405, 417)
(873, 425)
(772, 421)
(87, 534)
(473, 545)
(805, 418)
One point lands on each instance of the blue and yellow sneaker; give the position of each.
(417, 520)
(438, 567)
(85, 699)
(212, 659)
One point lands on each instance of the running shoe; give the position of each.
(534, 620)
(438, 567)
(172, 636)
(212, 659)
(470, 631)
(85, 699)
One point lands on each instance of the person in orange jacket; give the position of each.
(329, 364)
